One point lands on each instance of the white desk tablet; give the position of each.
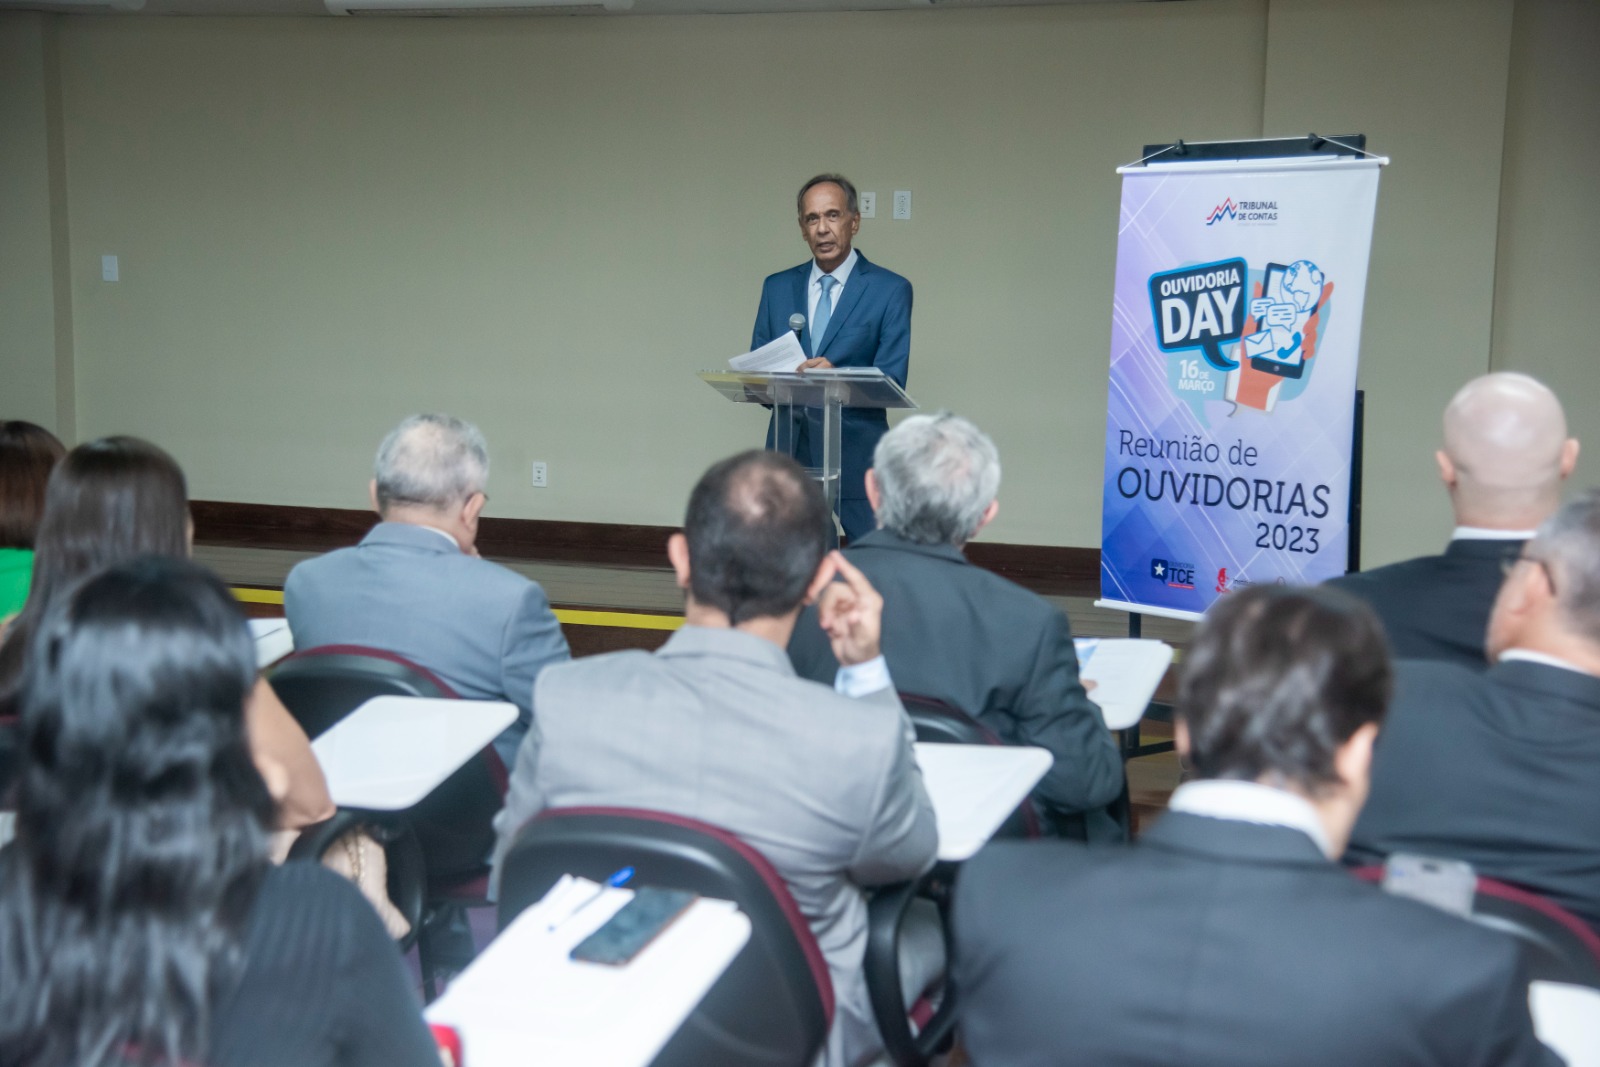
(524, 1002)
(1567, 1018)
(273, 640)
(392, 751)
(975, 787)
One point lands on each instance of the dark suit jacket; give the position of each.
(958, 633)
(1500, 769)
(1437, 607)
(1213, 943)
(870, 327)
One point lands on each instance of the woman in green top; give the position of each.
(28, 454)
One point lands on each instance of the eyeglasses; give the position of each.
(1509, 564)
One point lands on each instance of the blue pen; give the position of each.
(617, 879)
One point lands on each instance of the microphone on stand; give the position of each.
(797, 322)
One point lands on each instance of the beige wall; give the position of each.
(1549, 224)
(547, 225)
(28, 357)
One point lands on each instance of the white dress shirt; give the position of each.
(841, 275)
(1530, 656)
(1483, 533)
(1222, 798)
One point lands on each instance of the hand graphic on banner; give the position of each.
(1253, 388)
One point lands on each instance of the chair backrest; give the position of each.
(774, 1004)
(1558, 946)
(322, 685)
(454, 823)
(941, 723)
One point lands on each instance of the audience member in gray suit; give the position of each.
(715, 726)
(1506, 454)
(963, 635)
(1227, 936)
(1502, 769)
(415, 585)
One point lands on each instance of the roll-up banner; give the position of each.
(1234, 339)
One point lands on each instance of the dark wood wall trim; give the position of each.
(1045, 569)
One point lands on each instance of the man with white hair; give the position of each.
(1506, 454)
(1501, 769)
(415, 585)
(963, 635)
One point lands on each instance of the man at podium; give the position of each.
(855, 314)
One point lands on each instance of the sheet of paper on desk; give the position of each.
(523, 1001)
(1125, 672)
(778, 356)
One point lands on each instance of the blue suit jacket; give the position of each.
(870, 327)
(485, 630)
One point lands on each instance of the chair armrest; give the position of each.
(407, 875)
(886, 911)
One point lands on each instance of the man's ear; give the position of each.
(473, 508)
(678, 555)
(372, 495)
(1352, 761)
(988, 516)
(1447, 469)
(1569, 456)
(874, 491)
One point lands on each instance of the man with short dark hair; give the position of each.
(1502, 768)
(1506, 455)
(965, 636)
(415, 585)
(857, 314)
(715, 726)
(1227, 936)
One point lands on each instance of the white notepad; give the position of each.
(1126, 672)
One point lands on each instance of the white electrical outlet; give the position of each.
(540, 475)
(869, 205)
(902, 203)
(109, 270)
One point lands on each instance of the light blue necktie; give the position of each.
(819, 321)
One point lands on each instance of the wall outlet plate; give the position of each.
(541, 475)
(869, 205)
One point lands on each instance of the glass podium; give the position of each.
(790, 395)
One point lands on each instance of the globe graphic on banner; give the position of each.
(1302, 284)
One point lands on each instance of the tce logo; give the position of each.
(1177, 575)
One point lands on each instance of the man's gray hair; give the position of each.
(1568, 545)
(435, 461)
(937, 475)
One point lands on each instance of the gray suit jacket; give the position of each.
(715, 726)
(958, 633)
(485, 630)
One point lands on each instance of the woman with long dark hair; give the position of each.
(28, 454)
(140, 920)
(108, 501)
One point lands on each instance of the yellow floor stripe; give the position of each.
(571, 616)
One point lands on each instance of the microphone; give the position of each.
(797, 322)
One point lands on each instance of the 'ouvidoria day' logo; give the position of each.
(1254, 350)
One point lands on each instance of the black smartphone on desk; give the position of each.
(639, 922)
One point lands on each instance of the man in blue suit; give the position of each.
(857, 314)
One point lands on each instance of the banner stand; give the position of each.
(1350, 147)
